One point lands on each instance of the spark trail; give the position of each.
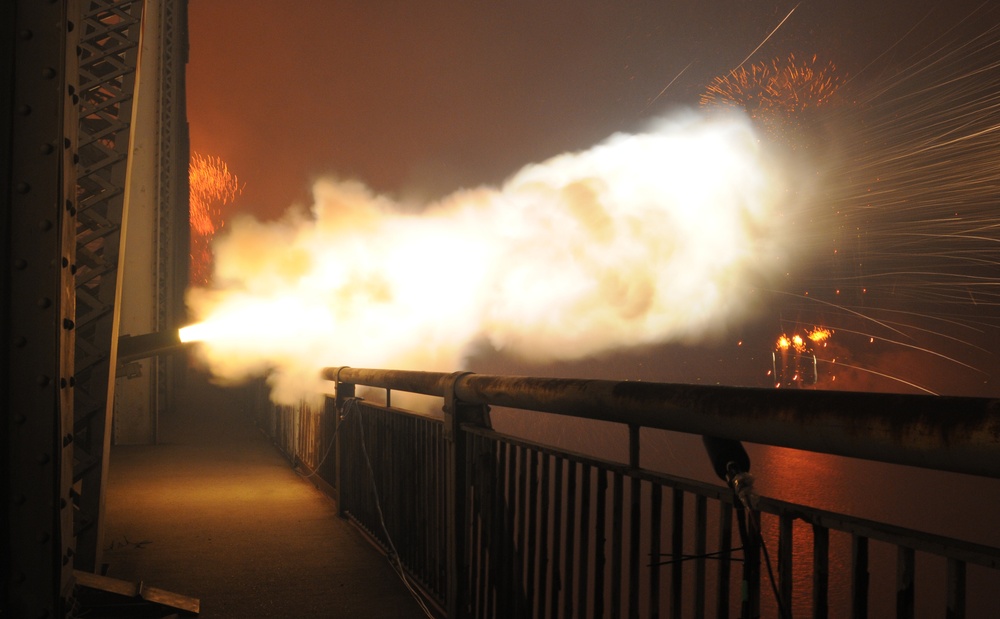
(902, 214)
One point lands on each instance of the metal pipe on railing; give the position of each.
(956, 434)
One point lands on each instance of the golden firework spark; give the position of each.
(781, 87)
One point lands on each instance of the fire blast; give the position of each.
(641, 239)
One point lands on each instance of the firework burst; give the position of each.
(776, 91)
(904, 214)
(212, 186)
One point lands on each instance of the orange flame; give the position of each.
(819, 334)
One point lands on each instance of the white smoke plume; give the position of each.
(641, 239)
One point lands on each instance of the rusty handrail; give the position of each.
(956, 434)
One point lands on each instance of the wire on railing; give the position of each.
(741, 482)
(329, 447)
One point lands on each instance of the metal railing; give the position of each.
(491, 525)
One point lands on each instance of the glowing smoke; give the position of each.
(641, 239)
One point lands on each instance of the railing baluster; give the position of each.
(617, 502)
(821, 572)
(859, 577)
(492, 498)
(725, 560)
(785, 544)
(521, 512)
(655, 558)
(504, 532)
(584, 537)
(956, 589)
(532, 548)
(635, 528)
(568, 588)
(543, 538)
(600, 538)
(488, 554)
(556, 538)
(677, 553)
(700, 547)
(905, 574)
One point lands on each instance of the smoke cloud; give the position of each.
(644, 238)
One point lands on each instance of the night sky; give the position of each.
(418, 100)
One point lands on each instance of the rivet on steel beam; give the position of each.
(24, 110)
(46, 149)
(23, 187)
(69, 26)
(42, 380)
(43, 458)
(45, 224)
(65, 262)
(49, 73)
(20, 499)
(20, 264)
(72, 381)
(20, 341)
(68, 324)
(42, 537)
(26, 35)
(63, 383)
(67, 439)
(67, 142)
(19, 419)
(44, 302)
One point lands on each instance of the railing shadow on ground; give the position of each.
(485, 524)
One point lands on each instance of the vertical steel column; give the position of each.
(109, 43)
(174, 213)
(37, 146)
(344, 391)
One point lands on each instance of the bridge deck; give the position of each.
(215, 512)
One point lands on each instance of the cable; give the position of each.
(333, 440)
(770, 573)
(741, 483)
(394, 554)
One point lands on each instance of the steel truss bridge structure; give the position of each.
(89, 81)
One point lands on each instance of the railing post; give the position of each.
(457, 491)
(343, 392)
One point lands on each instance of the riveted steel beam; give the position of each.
(39, 208)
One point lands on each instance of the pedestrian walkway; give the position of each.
(216, 513)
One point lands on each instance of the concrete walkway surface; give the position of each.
(215, 512)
